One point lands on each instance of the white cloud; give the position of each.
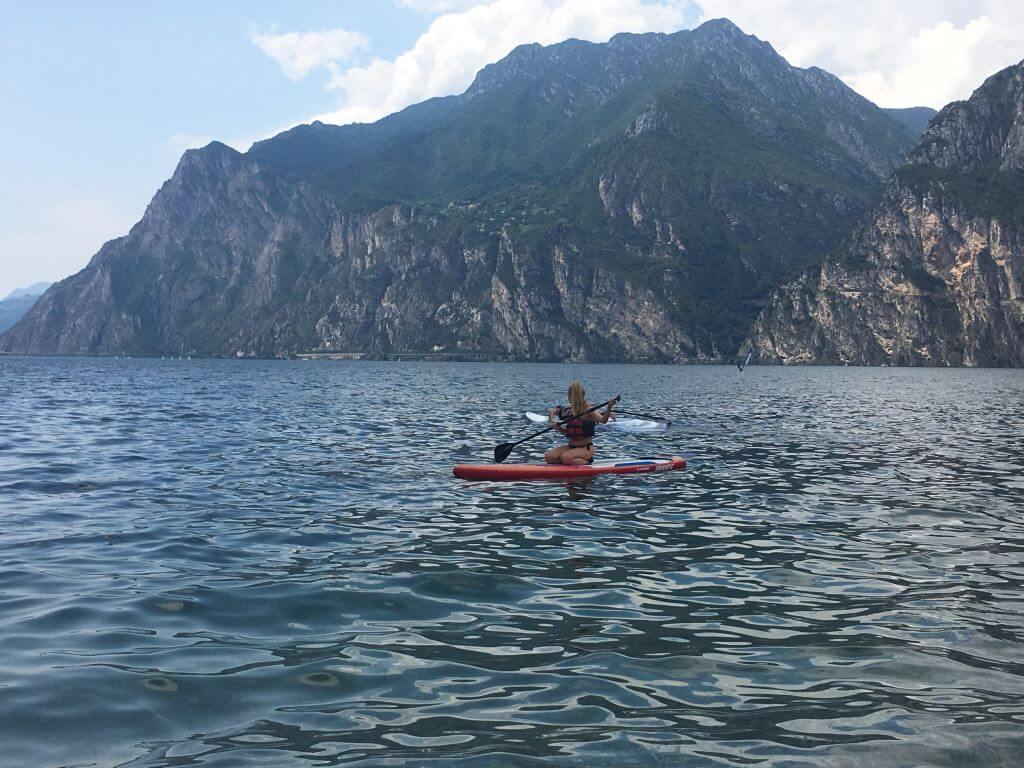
(299, 53)
(436, 6)
(910, 54)
(456, 46)
(897, 55)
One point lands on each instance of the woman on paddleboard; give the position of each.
(579, 430)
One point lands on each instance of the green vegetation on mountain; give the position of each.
(988, 191)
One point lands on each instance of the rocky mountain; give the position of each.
(936, 274)
(915, 118)
(633, 200)
(18, 302)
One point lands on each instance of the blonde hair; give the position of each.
(577, 398)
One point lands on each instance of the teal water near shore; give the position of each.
(234, 563)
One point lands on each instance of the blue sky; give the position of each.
(100, 98)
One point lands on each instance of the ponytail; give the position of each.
(577, 398)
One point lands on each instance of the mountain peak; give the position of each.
(624, 57)
(986, 129)
(724, 33)
(524, 62)
(721, 26)
(206, 161)
(214, 151)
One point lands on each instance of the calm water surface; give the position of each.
(234, 563)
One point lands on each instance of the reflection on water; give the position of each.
(268, 563)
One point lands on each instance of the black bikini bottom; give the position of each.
(588, 445)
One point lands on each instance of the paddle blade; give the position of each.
(502, 451)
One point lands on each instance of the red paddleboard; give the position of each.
(505, 472)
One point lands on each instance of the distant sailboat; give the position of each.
(746, 362)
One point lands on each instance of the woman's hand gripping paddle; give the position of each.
(502, 451)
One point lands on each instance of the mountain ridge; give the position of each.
(35, 289)
(565, 213)
(19, 301)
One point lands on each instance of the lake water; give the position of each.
(261, 563)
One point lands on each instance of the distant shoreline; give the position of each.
(455, 358)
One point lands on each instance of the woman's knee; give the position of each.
(554, 455)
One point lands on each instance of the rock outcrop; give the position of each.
(936, 275)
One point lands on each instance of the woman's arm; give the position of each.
(553, 414)
(603, 418)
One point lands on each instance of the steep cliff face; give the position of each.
(936, 276)
(222, 245)
(288, 271)
(636, 200)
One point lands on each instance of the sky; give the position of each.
(99, 99)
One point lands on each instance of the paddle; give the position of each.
(502, 451)
(645, 416)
